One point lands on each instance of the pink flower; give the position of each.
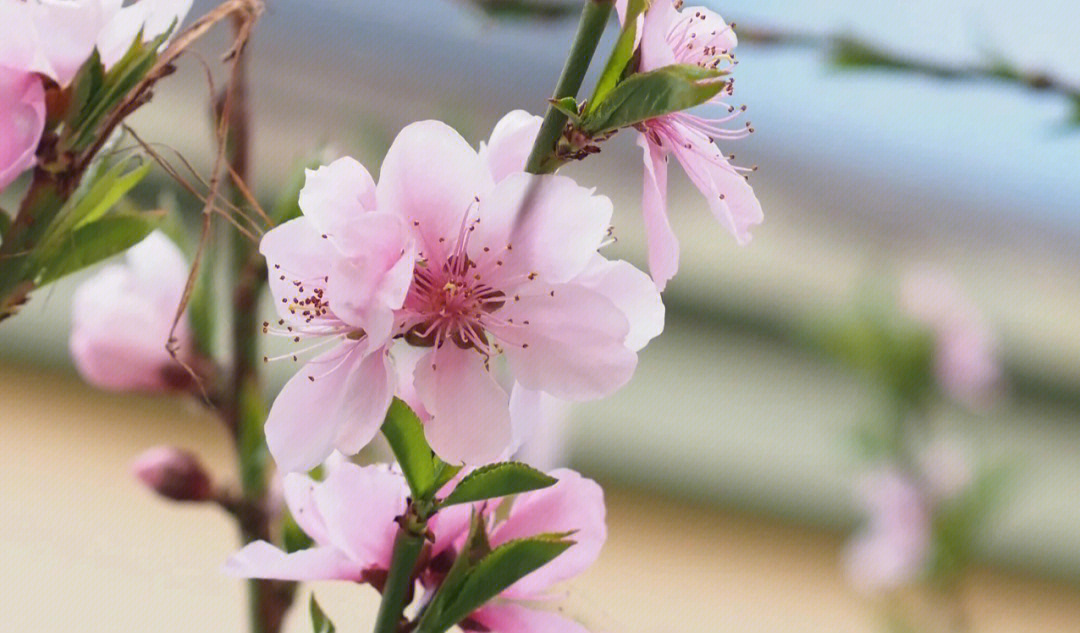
(350, 517)
(121, 319)
(489, 263)
(173, 473)
(965, 351)
(893, 547)
(22, 120)
(53, 39)
(699, 36)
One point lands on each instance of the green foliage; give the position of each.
(93, 242)
(405, 433)
(498, 480)
(480, 573)
(619, 62)
(645, 96)
(319, 622)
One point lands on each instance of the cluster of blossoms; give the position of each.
(43, 43)
(351, 518)
(462, 255)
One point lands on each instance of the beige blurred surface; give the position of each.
(83, 548)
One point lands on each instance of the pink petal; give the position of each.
(296, 253)
(22, 120)
(576, 504)
(515, 618)
(510, 143)
(655, 50)
(335, 197)
(151, 17)
(567, 340)
(431, 177)
(359, 505)
(299, 492)
(338, 400)
(632, 292)
(470, 420)
(540, 427)
(663, 245)
(730, 197)
(67, 33)
(547, 225)
(262, 560)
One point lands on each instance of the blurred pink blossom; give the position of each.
(699, 36)
(122, 315)
(481, 261)
(350, 517)
(965, 350)
(173, 473)
(892, 548)
(52, 39)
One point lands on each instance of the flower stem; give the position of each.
(407, 547)
(594, 19)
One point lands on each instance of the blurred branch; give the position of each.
(849, 52)
(541, 9)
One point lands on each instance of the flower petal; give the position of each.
(22, 120)
(149, 17)
(632, 292)
(516, 618)
(470, 415)
(567, 340)
(663, 245)
(299, 492)
(262, 560)
(368, 394)
(539, 427)
(548, 225)
(575, 504)
(359, 505)
(431, 177)
(510, 143)
(655, 49)
(335, 197)
(298, 261)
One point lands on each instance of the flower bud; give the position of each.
(173, 473)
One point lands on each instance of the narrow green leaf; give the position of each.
(405, 433)
(475, 547)
(645, 96)
(109, 196)
(94, 242)
(319, 622)
(568, 106)
(501, 568)
(498, 480)
(620, 55)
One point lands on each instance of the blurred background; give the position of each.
(727, 461)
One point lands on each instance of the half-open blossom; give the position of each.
(22, 120)
(964, 347)
(673, 34)
(121, 317)
(50, 40)
(351, 515)
(893, 547)
(491, 264)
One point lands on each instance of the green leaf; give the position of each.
(568, 106)
(498, 480)
(405, 434)
(496, 571)
(319, 622)
(94, 242)
(645, 96)
(474, 548)
(620, 55)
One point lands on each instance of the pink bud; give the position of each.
(173, 473)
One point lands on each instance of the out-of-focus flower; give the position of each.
(53, 39)
(965, 351)
(699, 36)
(892, 548)
(22, 120)
(173, 473)
(493, 263)
(121, 319)
(946, 470)
(351, 519)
